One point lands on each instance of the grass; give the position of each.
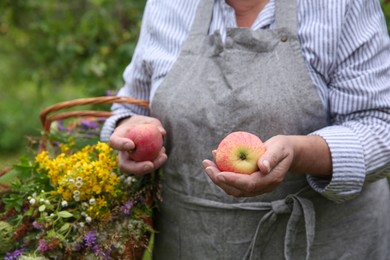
(7, 160)
(20, 108)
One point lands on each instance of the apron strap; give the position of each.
(294, 204)
(200, 26)
(297, 207)
(286, 15)
(301, 208)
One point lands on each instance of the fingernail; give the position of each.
(267, 165)
(208, 171)
(204, 163)
(128, 146)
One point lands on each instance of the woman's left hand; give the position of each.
(297, 154)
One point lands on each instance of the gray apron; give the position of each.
(256, 81)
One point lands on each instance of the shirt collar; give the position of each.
(264, 19)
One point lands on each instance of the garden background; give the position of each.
(52, 51)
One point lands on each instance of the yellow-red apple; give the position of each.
(148, 142)
(239, 152)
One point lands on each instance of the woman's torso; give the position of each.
(254, 81)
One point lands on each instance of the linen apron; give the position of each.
(256, 81)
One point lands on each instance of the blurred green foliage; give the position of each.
(52, 50)
(386, 11)
(86, 42)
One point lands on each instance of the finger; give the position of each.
(208, 163)
(217, 177)
(162, 130)
(264, 166)
(149, 120)
(214, 152)
(137, 168)
(121, 143)
(247, 184)
(274, 154)
(161, 159)
(214, 174)
(232, 191)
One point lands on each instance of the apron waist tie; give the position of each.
(293, 204)
(297, 207)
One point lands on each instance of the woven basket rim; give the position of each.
(52, 113)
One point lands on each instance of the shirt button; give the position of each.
(284, 38)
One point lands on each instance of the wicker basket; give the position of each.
(53, 113)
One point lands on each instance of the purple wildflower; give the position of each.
(38, 225)
(90, 239)
(96, 250)
(89, 124)
(61, 126)
(14, 255)
(126, 208)
(103, 255)
(43, 246)
(111, 93)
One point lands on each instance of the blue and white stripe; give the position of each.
(346, 47)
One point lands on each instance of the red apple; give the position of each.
(239, 152)
(148, 142)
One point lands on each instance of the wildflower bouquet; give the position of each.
(72, 202)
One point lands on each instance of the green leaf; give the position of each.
(9, 177)
(65, 227)
(65, 214)
(13, 201)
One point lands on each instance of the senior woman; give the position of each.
(311, 79)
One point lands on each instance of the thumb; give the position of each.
(121, 143)
(269, 159)
(276, 154)
(264, 165)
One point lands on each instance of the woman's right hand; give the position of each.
(124, 145)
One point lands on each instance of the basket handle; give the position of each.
(47, 119)
(47, 116)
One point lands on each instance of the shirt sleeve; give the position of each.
(165, 27)
(359, 104)
(137, 78)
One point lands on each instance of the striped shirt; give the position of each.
(347, 51)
